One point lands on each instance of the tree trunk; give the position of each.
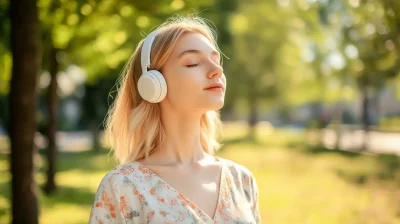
(52, 124)
(365, 117)
(319, 122)
(26, 55)
(339, 121)
(253, 118)
(90, 108)
(95, 136)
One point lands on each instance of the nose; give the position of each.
(216, 70)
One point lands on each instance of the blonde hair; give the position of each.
(133, 125)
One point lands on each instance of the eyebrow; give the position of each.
(194, 51)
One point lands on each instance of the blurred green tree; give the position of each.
(58, 21)
(256, 54)
(372, 28)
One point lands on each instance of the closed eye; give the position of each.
(193, 65)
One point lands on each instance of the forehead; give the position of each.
(192, 40)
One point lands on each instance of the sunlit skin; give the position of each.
(193, 65)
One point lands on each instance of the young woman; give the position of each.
(163, 128)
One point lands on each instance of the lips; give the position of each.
(215, 85)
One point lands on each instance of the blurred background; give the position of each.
(312, 105)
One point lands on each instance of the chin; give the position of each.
(216, 105)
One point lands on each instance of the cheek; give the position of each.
(223, 78)
(184, 83)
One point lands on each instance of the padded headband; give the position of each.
(146, 49)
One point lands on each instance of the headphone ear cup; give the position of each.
(152, 86)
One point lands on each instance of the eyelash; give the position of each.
(194, 65)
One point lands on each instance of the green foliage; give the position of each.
(256, 52)
(108, 35)
(5, 55)
(369, 30)
(5, 70)
(280, 52)
(98, 36)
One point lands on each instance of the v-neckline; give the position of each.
(221, 185)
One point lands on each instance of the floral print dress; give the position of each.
(132, 193)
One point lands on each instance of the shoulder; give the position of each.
(237, 169)
(116, 196)
(242, 178)
(119, 176)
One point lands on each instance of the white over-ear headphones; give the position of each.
(151, 85)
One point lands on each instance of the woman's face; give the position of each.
(192, 67)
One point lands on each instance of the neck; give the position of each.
(182, 138)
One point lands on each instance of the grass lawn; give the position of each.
(297, 184)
